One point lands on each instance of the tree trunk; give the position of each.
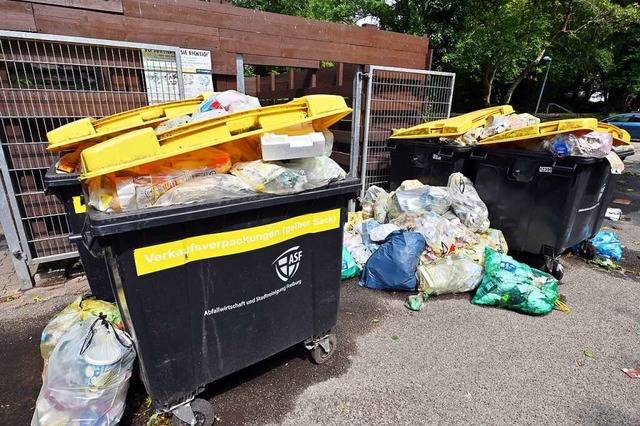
(525, 71)
(487, 83)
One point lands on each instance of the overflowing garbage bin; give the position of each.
(544, 205)
(432, 151)
(547, 202)
(67, 189)
(209, 289)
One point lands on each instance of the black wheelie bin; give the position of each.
(544, 204)
(210, 288)
(67, 189)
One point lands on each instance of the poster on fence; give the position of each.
(196, 72)
(160, 75)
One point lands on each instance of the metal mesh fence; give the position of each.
(45, 84)
(399, 98)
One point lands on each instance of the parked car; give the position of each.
(629, 121)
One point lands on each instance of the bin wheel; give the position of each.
(557, 270)
(319, 354)
(587, 250)
(203, 412)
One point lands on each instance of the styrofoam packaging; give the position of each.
(286, 147)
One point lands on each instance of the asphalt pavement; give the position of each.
(452, 363)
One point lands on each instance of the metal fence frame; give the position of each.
(429, 96)
(10, 211)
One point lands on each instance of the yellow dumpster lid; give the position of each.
(620, 136)
(144, 146)
(450, 127)
(542, 130)
(91, 130)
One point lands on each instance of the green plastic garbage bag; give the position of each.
(350, 268)
(514, 285)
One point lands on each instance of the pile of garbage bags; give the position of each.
(436, 240)
(88, 363)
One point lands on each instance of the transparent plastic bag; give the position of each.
(493, 238)
(432, 226)
(369, 200)
(142, 186)
(561, 145)
(460, 235)
(430, 198)
(353, 242)
(319, 171)
(410, 184)
(206, 189)
(380, 209)
(82, 308)
(270, 178)
(453, 274)
(88, 377)
(226, 102)
(501, 123)
(592, 144)
(364, 229)
(466, 203)
(173, 123)
(291, 177)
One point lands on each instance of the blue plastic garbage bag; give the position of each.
(608, 245)
(393, 266)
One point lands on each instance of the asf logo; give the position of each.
(287, 263)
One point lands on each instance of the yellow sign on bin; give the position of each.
(177, 253)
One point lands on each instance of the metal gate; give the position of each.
(398, 98)
(47, 81)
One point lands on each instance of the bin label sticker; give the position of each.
(546, 169)
(287, 263)
(78, 207)
(437, 157)
(177, 253)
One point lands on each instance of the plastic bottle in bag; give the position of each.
(88, 377)
(466, 203)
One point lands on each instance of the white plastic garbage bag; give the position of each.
(380, 233)
(88, 377)
(466, 203)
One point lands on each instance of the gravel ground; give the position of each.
(452, 363)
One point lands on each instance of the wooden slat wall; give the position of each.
(264, 38)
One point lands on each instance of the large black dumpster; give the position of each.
(67, 189)
(208, 289)
(543, 204)
(429, 162)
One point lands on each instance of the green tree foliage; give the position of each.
(495, 46)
